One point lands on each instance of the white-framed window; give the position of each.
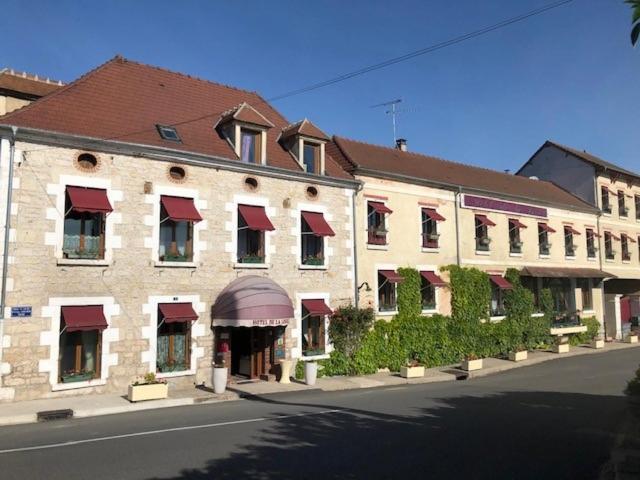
(430, 284)
(251, 229)
(387, 279)
(311, 334)
(377, 222)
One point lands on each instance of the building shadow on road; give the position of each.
(511, 435)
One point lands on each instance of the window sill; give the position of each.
(589, 312)
(312, 267)
(570, 257)
(544, 257)
(432, 311)
(610, 260)
(313, 358)
(486, 253)
(250, 266)
(59, 387)
(183, 373)
(516, 255)
(160, 264)
(430, 250)
(591, 259)
(81, 262)
(626, 261)
(377, 247)
(387, 313)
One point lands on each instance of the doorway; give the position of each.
(252, 352)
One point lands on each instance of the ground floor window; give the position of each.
(312, 334)
(387, 301)
(497, 301)
(561, 294)
(531, 284)
(79, 355)
(428, 293)
(173, 347)
(586, 288)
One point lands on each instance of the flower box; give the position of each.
(471, 365)
(599, 343)
(632, 338)
(77, 377)
(518, 356)
(151, 391)
(412, 372)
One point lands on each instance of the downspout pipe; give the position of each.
(5, 250)
(600, 254)
(354, 231)
(457, 208)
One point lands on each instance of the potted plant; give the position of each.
(220, 377)
(632, 337)
(561, 344)
(380, 232)
(149, 388)
(71, 376)
(252, 259)
(472, 362)
(433, 236)
(310, 372)
(518, 354)
(485, 241)
(313, 260)
(412, 369)
(597, 342)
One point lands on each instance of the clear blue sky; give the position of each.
(568, 75)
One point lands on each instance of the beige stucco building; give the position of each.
(120, 248)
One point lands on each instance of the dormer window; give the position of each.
(250, 146)
(306, 143)
(168, 133)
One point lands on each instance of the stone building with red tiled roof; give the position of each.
(18, 89)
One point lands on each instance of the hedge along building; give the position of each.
(137, 195)
(423, 212)
(615, 191)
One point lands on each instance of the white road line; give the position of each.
(166, 430)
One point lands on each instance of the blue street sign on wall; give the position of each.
(24, 311)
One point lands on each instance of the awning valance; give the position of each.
(433, 214)
(433, 279)
(554, 272)
(484, 220)
(177, 312)
(316, 307)
(571, 230)
(380, 207)
(391, 276)
(501, 282)
(546, 228)
(318, 224)
(256, 218)
(252, 301)
(91, 200)
(180, 209)
(517, 223)
(84, 318)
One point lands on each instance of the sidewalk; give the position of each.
(94, 405)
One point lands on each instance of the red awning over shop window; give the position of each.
(180, 209)
(390, 275)
(380, 207)
(92, 200)
(484, 220)
(517, 223)
(433, 279)
(318, 224)
(501, 282)
(433, 214)
(570, 229)
(256, 218)
(177, 312)
(84, 318)
(546, 228)
(317, 307)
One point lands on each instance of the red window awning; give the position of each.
(318, 224)
(92, 200)
(390, 275)
(517, 223)
(570, 229)
(433, 214)
(84, 318)
(180, 209)
(484, 220)
(433, 279)
(629, 239)
(317, 307)
(256, 218)
(380, 207)
(501, 282)
(546, 228)
(177, 312)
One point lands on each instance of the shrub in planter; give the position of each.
(472, 362)
(412, 369)
(518, 354)
(81, 376)
(149, 388)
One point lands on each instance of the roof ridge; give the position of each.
(30, 76)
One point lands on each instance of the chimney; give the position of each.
(401, 144)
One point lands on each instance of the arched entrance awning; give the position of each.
(252, 301)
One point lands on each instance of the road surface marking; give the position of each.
(165, 430)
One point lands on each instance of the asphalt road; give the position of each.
(556, 420)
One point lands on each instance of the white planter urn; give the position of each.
(518, 356)
(220, 379)
(310, 372)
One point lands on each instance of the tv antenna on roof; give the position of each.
(392, 110)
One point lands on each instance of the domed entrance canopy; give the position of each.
(252, 301)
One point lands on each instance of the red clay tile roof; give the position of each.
(354, 155)
(306, 128)
(247, 114)
(26, 85)
(124, 100)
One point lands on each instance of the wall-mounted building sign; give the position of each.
(495, 205)
(21, 312)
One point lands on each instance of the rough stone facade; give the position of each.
(130, 281)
